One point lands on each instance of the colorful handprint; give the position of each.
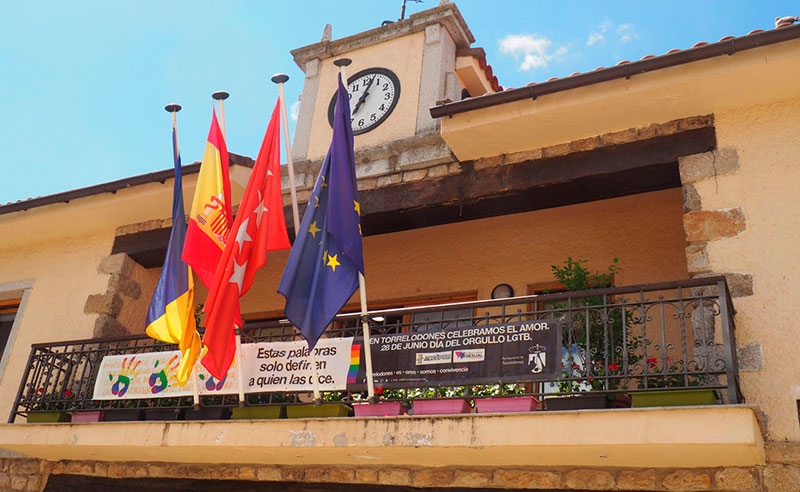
(126, 373)
(211, 384)
(160, 380)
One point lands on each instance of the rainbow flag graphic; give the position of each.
(355, 362)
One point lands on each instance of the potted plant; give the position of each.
(262, 406)
(676, 386)
(389, 403)
(497, 398)
(50, 406)
(164, 409)
(87, 411)
(332, 405)
(122, 411)
(210, 408)
(439, 401)
(598, 347)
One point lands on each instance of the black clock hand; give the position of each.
(364, 94)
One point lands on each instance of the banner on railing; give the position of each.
(509, 352)
(266, 367)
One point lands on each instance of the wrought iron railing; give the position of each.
(665, 336)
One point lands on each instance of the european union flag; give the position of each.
(326, 258)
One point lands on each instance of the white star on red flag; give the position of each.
(242, 236)
(237, 277)
(244, 255)
(260, 209)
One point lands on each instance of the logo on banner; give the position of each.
(537, 357)
(434, 358)
(472, 355)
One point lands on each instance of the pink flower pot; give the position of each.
(93, 416)
(507, 404)
(441, 406)
(380, 409)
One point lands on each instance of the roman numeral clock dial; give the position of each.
(374, 93)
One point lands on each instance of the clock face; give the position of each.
(374, 93)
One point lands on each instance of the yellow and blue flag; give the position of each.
(326, 258)
(171, 314)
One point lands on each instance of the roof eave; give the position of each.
(112, 186)
(626, 70)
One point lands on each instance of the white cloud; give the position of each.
(594, 37)
(599, 34)
(626, 33)
(535, 51)
(294, 110)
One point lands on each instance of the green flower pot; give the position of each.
(672, 398)
(259, 412)
(48, 417)
(207, 413)
(580, 401)
(310, 411)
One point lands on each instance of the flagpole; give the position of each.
(342, 63)
(173, 109)
(280, 78)
(220, 97)
(362, 287)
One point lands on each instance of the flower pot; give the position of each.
(312, 411)
(47, 417)
(91, 416)
(163, 414)
(441, 406)
(207, 413)
(506, 404)
(259, 412)
(671, 398)
(381, 408)
(576, 402)
(123, 414)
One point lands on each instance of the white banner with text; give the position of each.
(266, 367)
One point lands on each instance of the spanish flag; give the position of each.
(171, 314)
(259, 227)
(210, 217)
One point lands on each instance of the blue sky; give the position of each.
(84, 83)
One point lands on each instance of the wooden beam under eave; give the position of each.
(609, 172)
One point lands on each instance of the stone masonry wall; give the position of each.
(704, 226)
(122, 308)
(781, 474)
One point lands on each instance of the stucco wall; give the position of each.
(405, 60)
(63, 273)
(765, 187)
(644, 231)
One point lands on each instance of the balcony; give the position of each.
(621, 343)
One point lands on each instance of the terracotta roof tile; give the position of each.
(658, 61)
(674, 50)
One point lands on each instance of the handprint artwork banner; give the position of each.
(276, 366)
(150, 375)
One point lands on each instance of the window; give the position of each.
(442, 320)
(8, 311)
(428, 320)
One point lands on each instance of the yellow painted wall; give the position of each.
(721, 83)
(404, 59)
(644, 231)
(59, 248)
(64, 274)
(767, 138)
